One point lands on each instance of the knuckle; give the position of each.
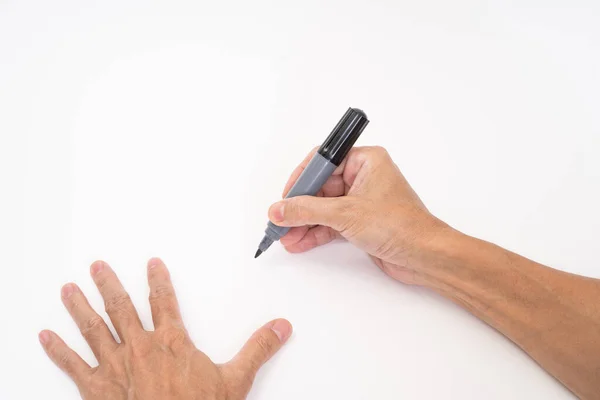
(102, 282)
(379, 151)
(91, 325)
(297, 211)
(325, 235)
(140, 345)
(117, 302)
(173, 337)
(64, 360)
(376, 154)
(291, 209)
(166, 308)
(161, 291)
(354, 217)
(265, 345)
(264, 348)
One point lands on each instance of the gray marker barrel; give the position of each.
(314, 176)
(329, 156)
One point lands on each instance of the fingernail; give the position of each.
(67, 290)
(153, 262)
(97, 267)
(277, 211)
(282, 329)
(44, 337)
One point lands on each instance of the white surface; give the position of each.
(135, 129)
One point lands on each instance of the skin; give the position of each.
(552, 315)
(163, 364)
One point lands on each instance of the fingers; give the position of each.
(311, 238)
(163, 302)
(261, 346)
(336, 213)
(64, 358)
(334, 186)
(117, 303)
(344, 175)
(92, 326)
(294, 235)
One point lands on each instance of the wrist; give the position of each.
(472, 273)
(441, 257)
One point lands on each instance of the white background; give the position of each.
(132, 129)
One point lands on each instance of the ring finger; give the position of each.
(92, 326)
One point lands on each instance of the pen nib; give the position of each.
(258, 253)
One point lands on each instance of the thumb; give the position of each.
(261, 346)
(335, 212)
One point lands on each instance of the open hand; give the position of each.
(163, 364)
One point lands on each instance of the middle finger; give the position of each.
(117, 302)
(92, 326)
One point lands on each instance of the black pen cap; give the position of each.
(342, 138)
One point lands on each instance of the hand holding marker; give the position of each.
(329, 156)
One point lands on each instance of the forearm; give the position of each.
(552, 315)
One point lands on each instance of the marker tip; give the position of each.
(258, 253)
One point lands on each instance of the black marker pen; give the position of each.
(329, 156)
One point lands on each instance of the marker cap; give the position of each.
(342, 138)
